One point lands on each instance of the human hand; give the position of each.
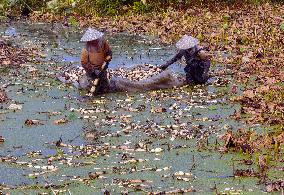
(163, 66)
(88, 68)
(108, 59)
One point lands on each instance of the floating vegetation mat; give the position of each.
(13, 56)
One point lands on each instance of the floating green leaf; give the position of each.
(282, 26)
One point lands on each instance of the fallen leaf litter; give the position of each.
(181, 130)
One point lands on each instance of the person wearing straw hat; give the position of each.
(197, 60)
(95, 55)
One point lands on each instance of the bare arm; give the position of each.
(171, 61)
(204, 55)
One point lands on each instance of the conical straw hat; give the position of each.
(91, 34)
(187, 42)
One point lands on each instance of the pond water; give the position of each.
(138, 142)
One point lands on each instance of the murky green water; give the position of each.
(124, 135)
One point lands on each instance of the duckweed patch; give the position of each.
(164, 141)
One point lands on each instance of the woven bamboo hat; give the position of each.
(187, 42)
(91, 34)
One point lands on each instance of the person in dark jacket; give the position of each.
(197, 60)
(94, 56)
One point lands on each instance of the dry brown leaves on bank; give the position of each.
(263, 103)
(12, 56)
(245, 173)
(248, 141)
(275, 186)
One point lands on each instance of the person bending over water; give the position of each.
(197, 60)
(94, 55)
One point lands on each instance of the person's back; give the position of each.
(197, 60)
(197, 65)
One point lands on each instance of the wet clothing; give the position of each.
(92, 58)
(103, 85)
(197, 67)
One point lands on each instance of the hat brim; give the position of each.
(87, 40)
(91, 35)
(187, 42)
